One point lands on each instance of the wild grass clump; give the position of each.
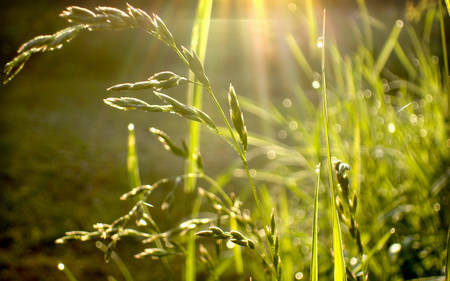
(386, 215)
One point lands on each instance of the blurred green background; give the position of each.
(63, 151)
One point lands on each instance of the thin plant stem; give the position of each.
(339, 266)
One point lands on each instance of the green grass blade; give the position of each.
(339, 263)
(117, 260)
(198, 45)
(199, 39)
(447, 259)
(299, 56)
(314, 253)
(388, 47)
(443, 40)
(447, 3)
(132, 159)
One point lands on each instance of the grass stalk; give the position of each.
(339, 264)
(117, 260)
(314, 251)
(444, 46)
(199, 40)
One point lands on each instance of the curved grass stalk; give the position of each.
(339, 264)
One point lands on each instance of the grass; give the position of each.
(384, 112)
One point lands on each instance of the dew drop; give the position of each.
(318, 168)
(399, 23)
(282, 134)
(293, 125)
(230, 245)
(131, 127)
(319, 42)
(61, 266)
(395, 248)
(436, 207)
(423, 133)
(287, 103)
(391, 128)
(292, 7)
(434, 59)
(316, 84)
(298, 276)
(271, 155)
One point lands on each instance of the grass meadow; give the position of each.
(213, 140)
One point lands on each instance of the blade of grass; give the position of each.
(447, 259)
(286, 243)
(199, 40)
(387, 48)
(339, 264)
(444, 44)
(314, 253)
(132, 159)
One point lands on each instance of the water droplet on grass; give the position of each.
(298, 276)
(316, 84)
(287, 103)
(319, 42)
(395, 248)
(436, 207)
(391, 128)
